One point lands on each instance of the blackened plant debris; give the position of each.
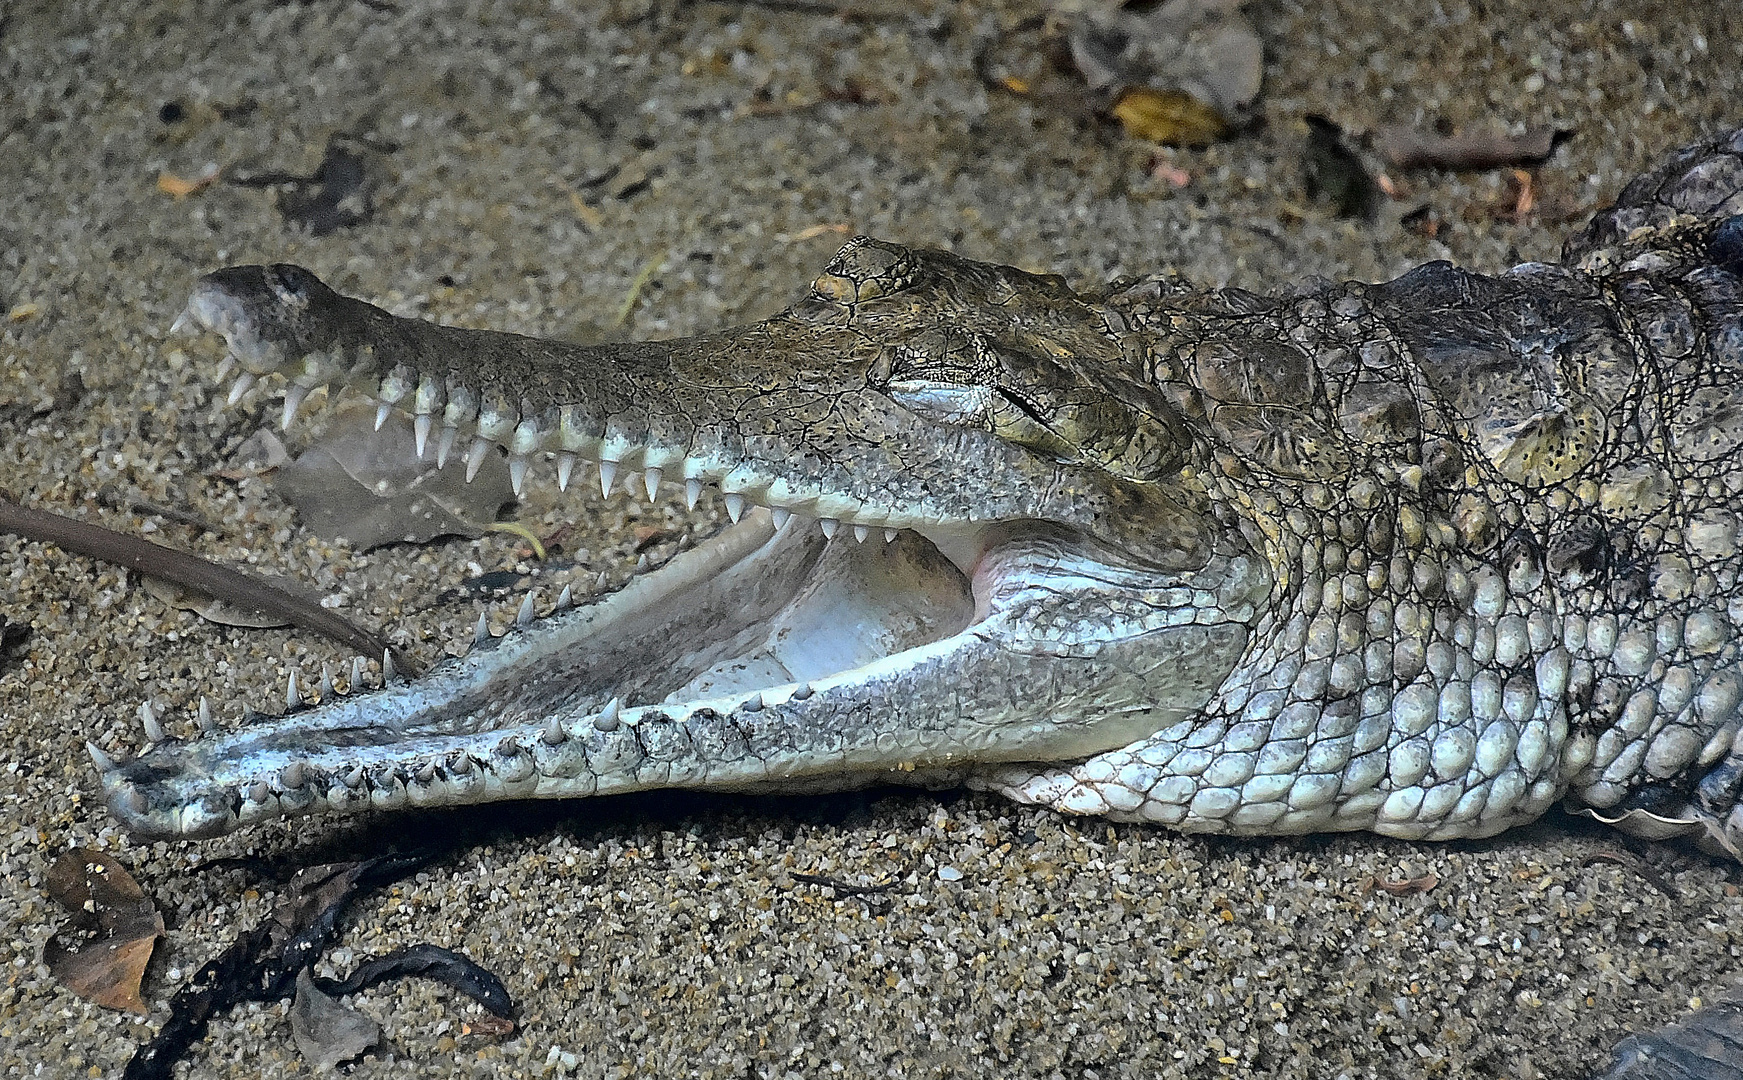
(13, 635)
(339, 194)
(263, 964)
(1335, 173)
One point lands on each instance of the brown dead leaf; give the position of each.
(177, 187)
(117, 926)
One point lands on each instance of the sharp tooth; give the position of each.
(607, 477)
(565, 466)
(608, 716)
(460, 765)
(356, 673)
(481, 632)
(148, 719)
(445, 444)
(381, 414)
(102, 761)
(294, 396)
(692, 492)
(829, 525)
(203, 716)
(258, 791)
(427, 773)
(292, 699)
(889, 534)
(651, 480)
(802, 691)
(734, 505)
(328, 693)
(860, 532)
(240, 386)
(292, 776)
(782, 515)
(354, 778)
(641, 563)
(475, 456)
(184, 324)
(566, 599)
(225, 367)
(524, 617)
(517, 473)
(422, 425)
(387, 672)
(554, 734)
(754, 703)
(599, 582)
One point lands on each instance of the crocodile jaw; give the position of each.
(763, 655)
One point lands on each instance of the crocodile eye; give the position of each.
(291, 284)
(865, 269)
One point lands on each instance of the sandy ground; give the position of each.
(669, 936)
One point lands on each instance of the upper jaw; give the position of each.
(779, 413)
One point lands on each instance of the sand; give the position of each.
(533, 163)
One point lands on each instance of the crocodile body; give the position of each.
(1424, 557)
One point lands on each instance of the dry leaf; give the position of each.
(1407, 887)
(177, 187)
(1169, 117)
(1203, 50)
(326, 1031)
(118, 926)
(369, 487)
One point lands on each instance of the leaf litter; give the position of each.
(115, 927)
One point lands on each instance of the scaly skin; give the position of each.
(1422, 557)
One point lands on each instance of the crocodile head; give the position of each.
(961, 534)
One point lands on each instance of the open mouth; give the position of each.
(897, 591)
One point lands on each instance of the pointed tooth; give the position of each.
(184, 325)
(259, 791)
(387, 672)
(475, 456)
(328, 693)
(460, 765)
(203, 716)
(782, 515)
(608, 716)
(565, 466)
(225, 367)
(641, 563)
(292, 699)
(427, 773)
(754, 703)
(607, 477)
(241, 386)
(356, 673)
(802, 691)
(828, 525)
(354, 778)
(554, 735)
(860, 532)
(148, 719)
(734, 506)
(102, 761)
(381, 414)
(517, 473)
(566, 598)
(524, 617)
(481, 632)
(445, 444)
(294, 396)
(600, 582)
(651, 481)
(422, 425)
(293, 776)
(692, 492)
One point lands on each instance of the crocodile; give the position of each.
(1424, 557)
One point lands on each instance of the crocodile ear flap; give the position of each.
(1100, 419)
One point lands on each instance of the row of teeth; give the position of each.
(648, 479)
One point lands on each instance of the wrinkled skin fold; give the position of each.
(1424, 557)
